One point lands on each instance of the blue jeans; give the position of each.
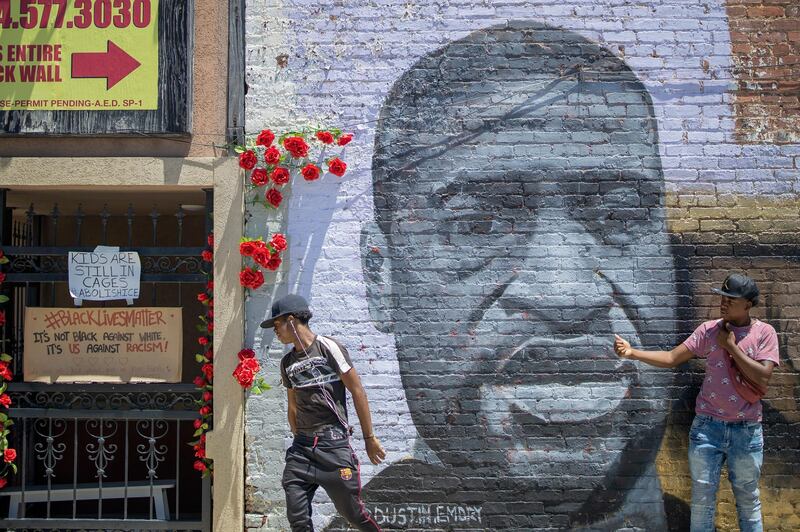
(712, 442)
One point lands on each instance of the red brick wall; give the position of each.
(765, 40)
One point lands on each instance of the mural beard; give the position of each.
(533, 412)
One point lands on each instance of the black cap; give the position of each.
(290, 304)
(738, 285)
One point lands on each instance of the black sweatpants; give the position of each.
(332, 464)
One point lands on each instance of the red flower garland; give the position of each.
(9, 454)
(270, 165)
(205, 380)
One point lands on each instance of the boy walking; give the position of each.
(316, 373)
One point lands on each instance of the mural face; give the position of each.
(520, 224)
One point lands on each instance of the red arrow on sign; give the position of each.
(113, 64)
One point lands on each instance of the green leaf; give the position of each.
(13, 467)
(3, 418)
(4, 260)
(239, 149)
(200, 359)
(3, 298)
(198, 432)
(5, 357)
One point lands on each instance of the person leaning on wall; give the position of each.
(741, 353)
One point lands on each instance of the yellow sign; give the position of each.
(122, 344)
(71, 55)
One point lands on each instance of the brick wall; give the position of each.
(765, 46)
(528, 178)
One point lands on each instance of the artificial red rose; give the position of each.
(247, 248)
(274, 197)
(9, 455)
(278, 242)
(325, 137)
(345, 139)
(205, 410)
(211, 239)
(251, 278)
(2, 277)
(207, 396)
(2, 317)
(265, 138)
(199, 382)
(200, 453)
(5, 400)
(280, 175)
(203, 340)
(250, 364)
(272, 155)
(202, 297)
(246, 353)
(202, 439)
(262, 256)
(3, 482)
(296, 146)
(198, 423)
(210, 313)
(210, 286)
(210, 326)
(337, 166)
(200, 466)
(209, 354)
(5, 372)
(248, 159)
(274, 263)
(259, 177)
(207, 255)
(246, 371)
(208, 371)
(245, 378)
(310, 172)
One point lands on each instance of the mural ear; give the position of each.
(376, 265)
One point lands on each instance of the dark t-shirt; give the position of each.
(309, 374)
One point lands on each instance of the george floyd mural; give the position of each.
(520, 221)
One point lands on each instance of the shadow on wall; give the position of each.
(520, 223)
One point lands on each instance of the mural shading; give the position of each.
(520, 221)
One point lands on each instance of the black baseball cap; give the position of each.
(738, 285)
(289, 304)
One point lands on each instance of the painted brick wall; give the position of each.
(527, 179)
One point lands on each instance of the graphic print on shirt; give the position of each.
(311, 372)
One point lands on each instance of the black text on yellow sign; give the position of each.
(78, 54)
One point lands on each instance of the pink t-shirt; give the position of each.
(718, 397)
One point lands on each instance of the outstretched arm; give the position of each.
(373, 446)
(659, 359)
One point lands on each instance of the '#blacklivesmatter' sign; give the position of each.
(104, 274)
(123, 344)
